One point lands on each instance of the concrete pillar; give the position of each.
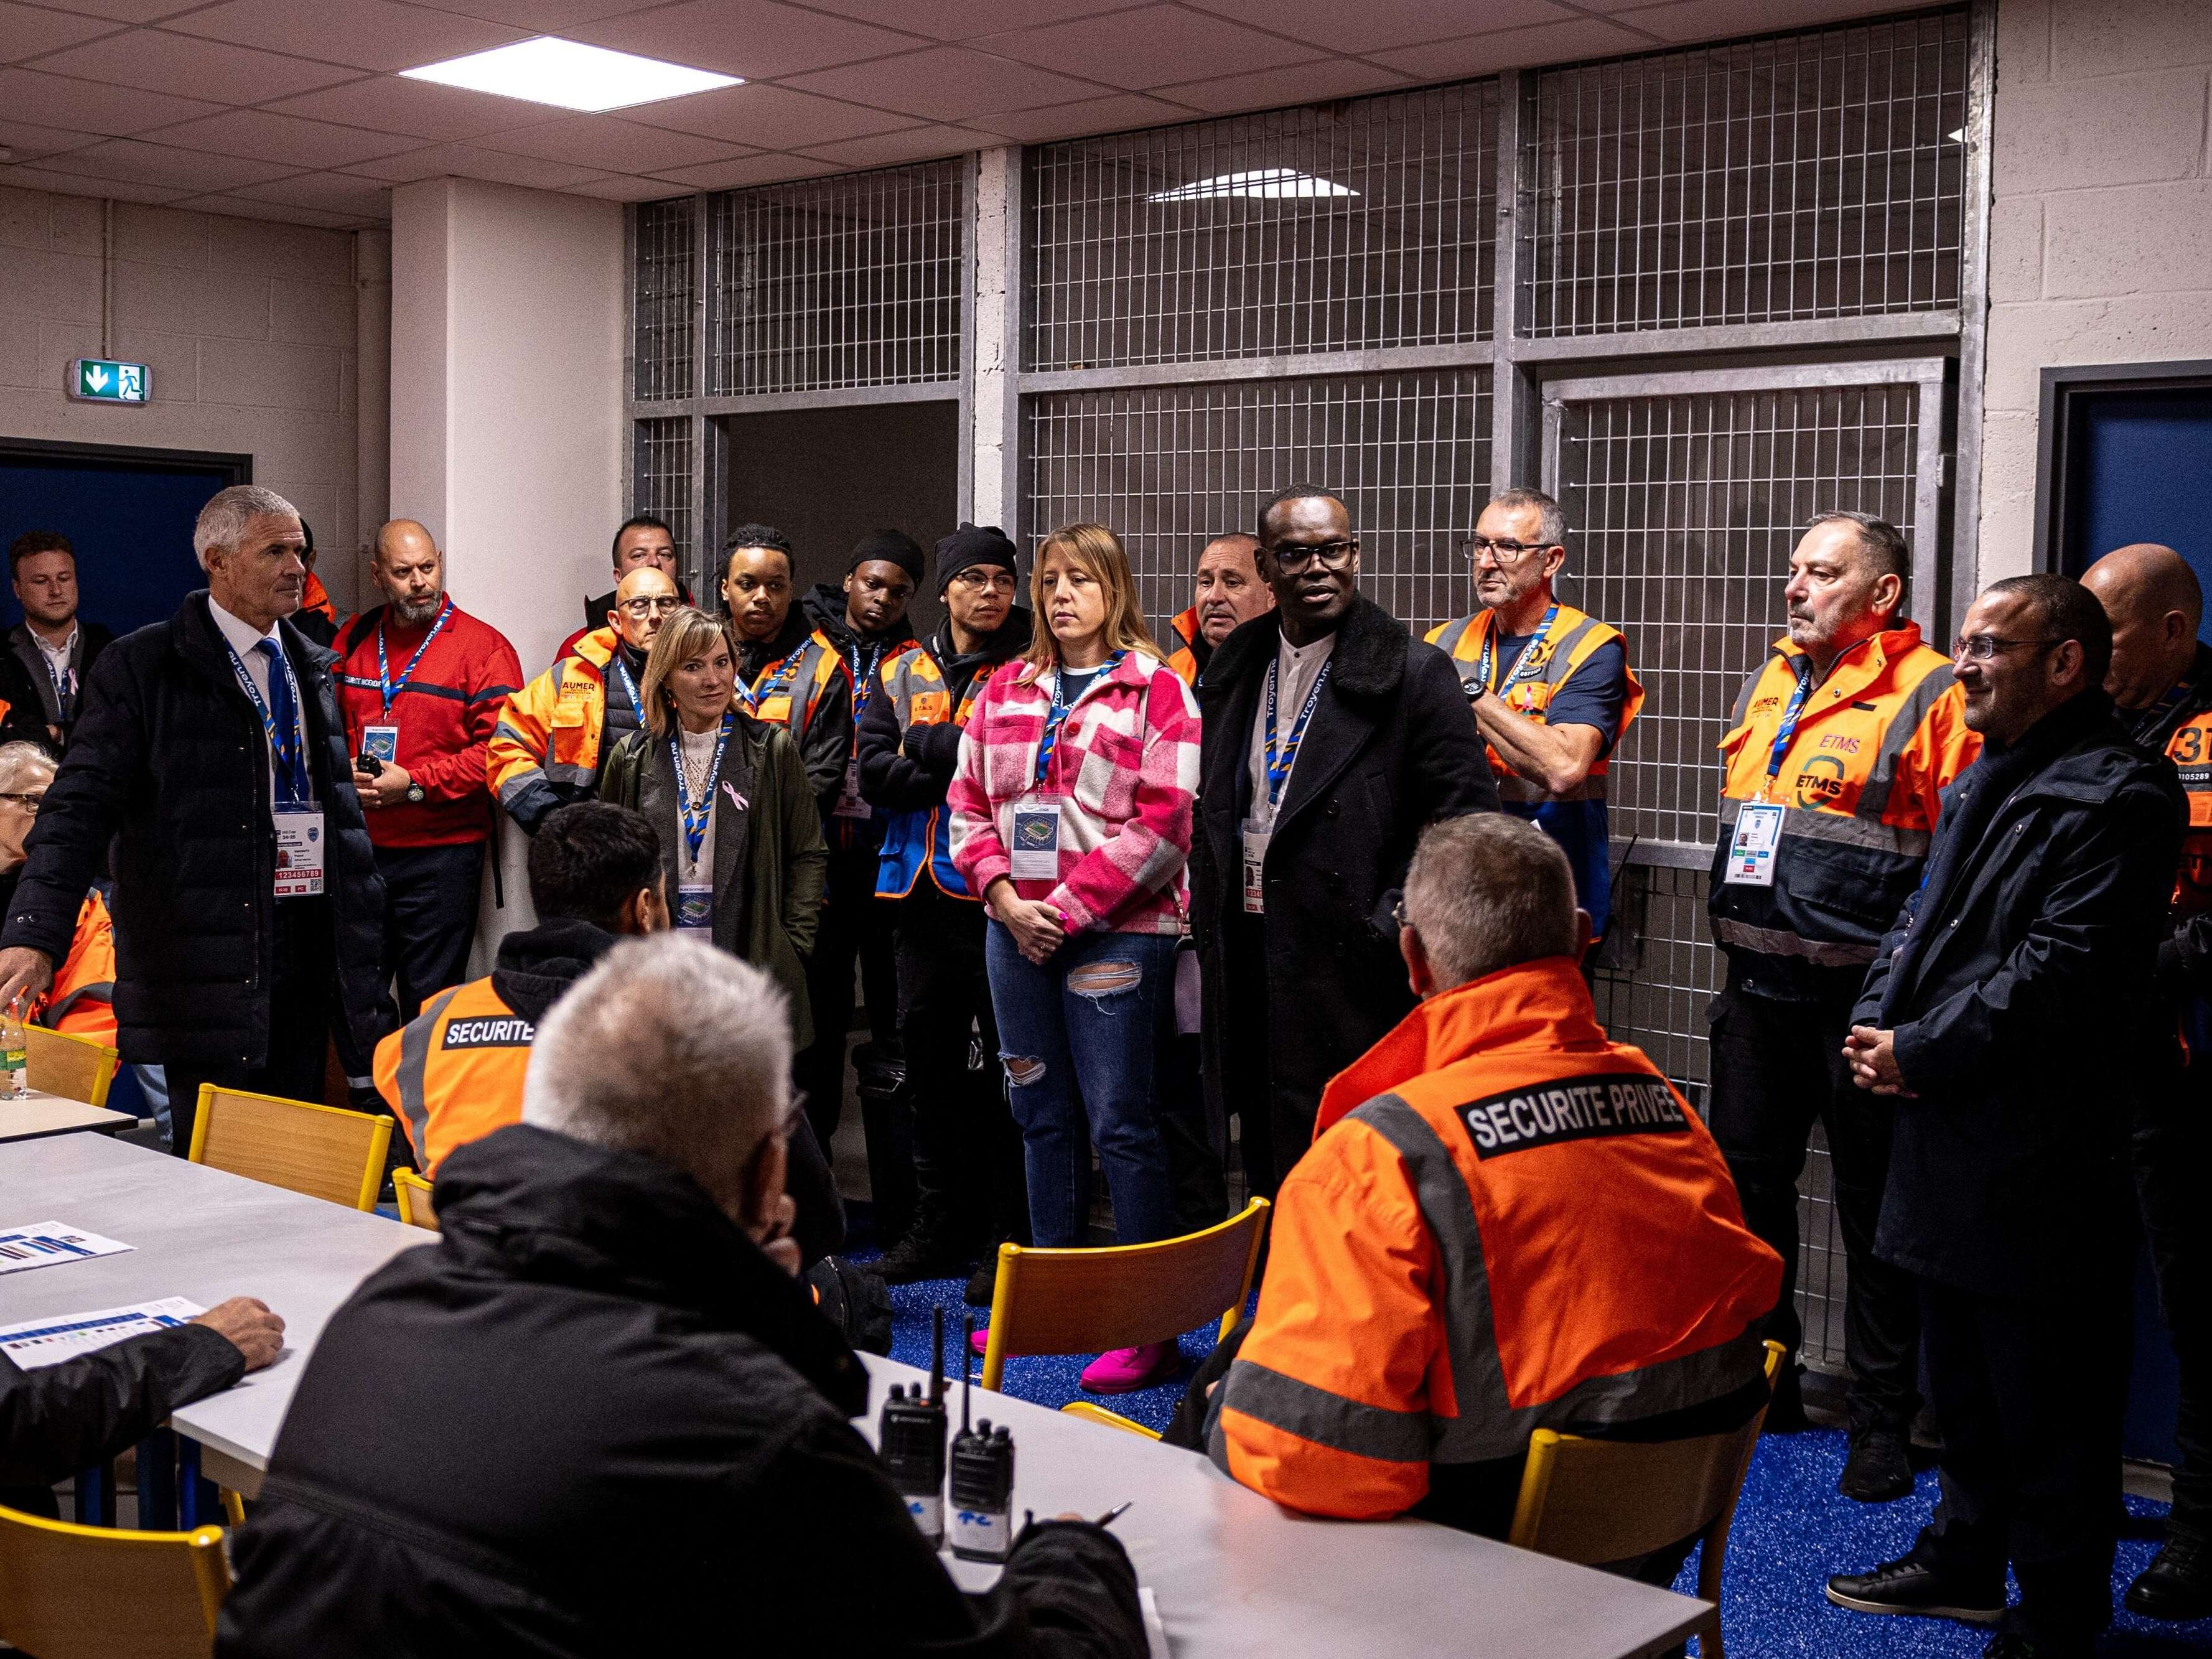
(995, 345)
(372, 388)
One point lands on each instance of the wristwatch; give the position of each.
(414, 797)
(1475, 689)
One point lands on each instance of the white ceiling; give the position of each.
(289, 109)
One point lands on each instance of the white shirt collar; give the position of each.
(241, 634)
(57, 652)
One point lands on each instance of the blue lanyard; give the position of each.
(1056, 716)
(629, 686)
(694, 814)
(776, 678)
(61, 693)
(1787, 728)
(1279, 765)
(860, 681)
(1526, 665)
(291, 759)
(385, 685)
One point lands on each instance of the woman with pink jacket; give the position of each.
(1070, 816)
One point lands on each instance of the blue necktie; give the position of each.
(284, 715)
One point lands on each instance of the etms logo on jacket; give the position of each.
(489, 1031)
(1572, 1108)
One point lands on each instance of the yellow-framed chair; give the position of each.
(72, 1592)
(1099, 1414)
(324, 1151)
(75, 1068)
(1122, 1296)
(1595, 1501)
(413, 1195)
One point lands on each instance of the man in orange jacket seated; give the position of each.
(82, 999)
(1508, 1222)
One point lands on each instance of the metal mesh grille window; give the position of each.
(1169, 467)
(1810, 176)
(852, 281)
(661, 474)
(664, 297)
(1341, 227)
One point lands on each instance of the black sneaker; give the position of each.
(2178, 1583)
(1876, 1471)
(918, 1256)
(1911, 1586)
(983, 1283)
(2012, 1646)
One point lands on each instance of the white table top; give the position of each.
(198, 1233)
(38, 1115)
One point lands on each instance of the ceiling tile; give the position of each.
(964, 19)
(241, 207)
(157, 164)
(157, 61)
(419, 109)
(773, 118)
(1305, 83)
(71, 184)
(946, 83)
(332, 193)
(1716, 20)
(605, 144)
(624, 187)
(89, 106)
(468, 162)
(28, 31)
(26, 142)
(892, 149)
(126, 11)
(543, 16)
(1145, 48)
(756, 38)
(1119, 114)
(271, 137)
(1375, 25)
(1546, 43)
(753, 170)
(369, 34)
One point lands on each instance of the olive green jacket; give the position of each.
(769, 858)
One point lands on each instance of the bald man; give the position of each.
(2161, 682)
(421, 683)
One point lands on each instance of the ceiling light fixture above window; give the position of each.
(568, 75)
(1259, 184)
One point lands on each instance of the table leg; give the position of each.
(198, 1503)
(96, 1496)
(157, 1482)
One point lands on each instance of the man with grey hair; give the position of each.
(211, 753)
(1499, 1196)
(638, 1420)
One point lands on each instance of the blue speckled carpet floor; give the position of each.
(1792, 1527)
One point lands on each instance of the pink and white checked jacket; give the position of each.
(1125, 765)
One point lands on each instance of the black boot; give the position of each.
(922, 1254)
(1876, 1471)
(2178, 1583)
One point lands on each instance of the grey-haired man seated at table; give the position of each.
(58, 1420)
(600, 1415)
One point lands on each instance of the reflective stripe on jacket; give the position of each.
(1508, 1222)
(82, 999)
(1184, 658)
(453, 1073)
(1878, 742)
(915, 685)
(545, 750)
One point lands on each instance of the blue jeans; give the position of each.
(1080, 1037)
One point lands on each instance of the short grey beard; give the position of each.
(410, 615)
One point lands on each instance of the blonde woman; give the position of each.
(1070, 816)
(741, 839)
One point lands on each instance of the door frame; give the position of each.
(2061, 420)
(239, 468)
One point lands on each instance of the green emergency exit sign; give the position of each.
(102, 381)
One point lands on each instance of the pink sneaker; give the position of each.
(1123, 1370)
(979, 1342)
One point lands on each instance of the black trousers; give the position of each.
(1274, 1124)
(303, 999)
(2171, 1150)
(855, 925)
(1196, 1150)
(1778, 1069)
(967, 1148)
(2028, 1393)
(430, 896)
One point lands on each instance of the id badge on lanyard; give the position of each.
(382, 741)
(1752, 848)
(694, 908)
(849, 803)
(1035, 853)
(299, 849)
(1255, 837)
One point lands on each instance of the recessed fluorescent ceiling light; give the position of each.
(570, 76)
(1262, 183)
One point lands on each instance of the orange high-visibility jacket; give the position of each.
(1576, 636)
(453, 1073)
(82, 999)
(1184, 658)
(2189, 748)
(1508, 1222)
(1877, 743)
(545, 750)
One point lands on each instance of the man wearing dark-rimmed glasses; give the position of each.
(1550, 687)
(1332, 739)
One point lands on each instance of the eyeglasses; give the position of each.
(1398, 912)
(984, 575)
(1501, 553)
(642, 607)
(1291, 557)
(28, 803)
(1984, 648)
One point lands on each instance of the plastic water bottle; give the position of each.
(15, 1054)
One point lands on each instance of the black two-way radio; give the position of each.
(982, 1480)
(911, 1440)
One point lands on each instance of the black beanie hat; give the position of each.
(973, 544)
(895, 545)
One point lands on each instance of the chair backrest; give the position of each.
(1599, 1501)
(413, 1194)
(74, 1067)
(1124, 1296)
(320, 1151)
(72, 1592)
(1104, 1419)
